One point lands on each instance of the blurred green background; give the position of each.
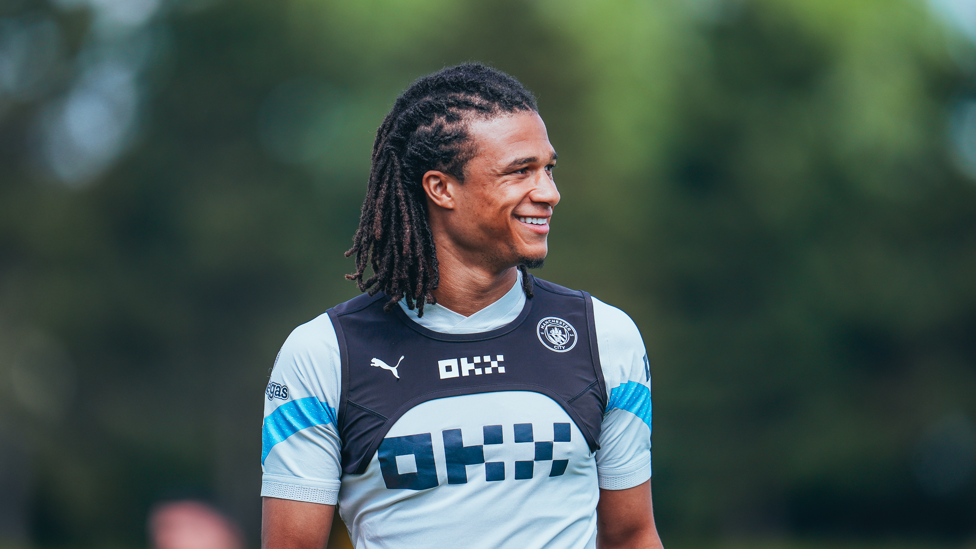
(781, 193)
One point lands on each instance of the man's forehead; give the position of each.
(511, 138)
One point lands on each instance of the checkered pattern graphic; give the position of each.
(493, 364)
(469, 365)
(494, 470)
(543, 450)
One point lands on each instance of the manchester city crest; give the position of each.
(557, 334)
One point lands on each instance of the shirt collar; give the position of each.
(441, 319)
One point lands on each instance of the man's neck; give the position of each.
(466, 291)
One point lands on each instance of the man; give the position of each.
(461, 402)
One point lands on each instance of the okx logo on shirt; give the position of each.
(409, 462)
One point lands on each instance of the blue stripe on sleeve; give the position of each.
(292, 417)
(633, 397)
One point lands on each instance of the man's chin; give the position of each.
(532, 263)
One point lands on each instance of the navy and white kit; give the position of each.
(494, 430)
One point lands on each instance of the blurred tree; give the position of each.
(809, 258)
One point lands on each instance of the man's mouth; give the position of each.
(534, 220)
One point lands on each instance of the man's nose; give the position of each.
(545, 190)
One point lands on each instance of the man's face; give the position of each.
(502, 210)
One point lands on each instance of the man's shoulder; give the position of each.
(321, 331)
(556, 289)
(315, 333)
(606, 312)
(356, 304)
(309, 352)
(606, 315)
(623, 356)
(614, 322)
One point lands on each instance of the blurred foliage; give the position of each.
(767, 186)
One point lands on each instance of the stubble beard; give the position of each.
(494, 258)
(532, 262)
(521, 260)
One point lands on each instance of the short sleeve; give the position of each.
(300, 441)
(624, 458)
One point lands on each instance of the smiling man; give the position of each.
(460, 402)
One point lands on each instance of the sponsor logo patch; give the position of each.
(410, 462)
(276, 390)
(556, 334)
(377, 363)
(454, 367)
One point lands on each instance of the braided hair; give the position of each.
(425, 130)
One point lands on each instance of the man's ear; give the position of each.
(440, 188)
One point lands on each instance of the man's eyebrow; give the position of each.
(530, 160)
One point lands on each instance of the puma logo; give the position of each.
(380, 364)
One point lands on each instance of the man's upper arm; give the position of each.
(300, 442)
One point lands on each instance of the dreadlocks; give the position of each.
(425, 130)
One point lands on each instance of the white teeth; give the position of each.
(533, 220)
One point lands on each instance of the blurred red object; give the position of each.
(192, 525)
